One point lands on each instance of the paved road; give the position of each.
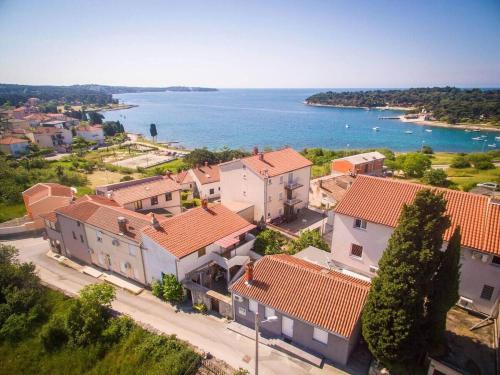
(209, 333)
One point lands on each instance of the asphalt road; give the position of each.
(206, 332)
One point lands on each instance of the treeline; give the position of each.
(202, 155)
(448, 104)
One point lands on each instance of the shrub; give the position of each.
(427, 150)
(270, 242)
(173, 291)
(435, 177)
(484, 164)
(460, 161)
(306, 239)
(157, 289)
(117, 328)
(126, 178)
(15, 327)
(200, 307)
(54, 334)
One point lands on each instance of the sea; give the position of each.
(273, 118)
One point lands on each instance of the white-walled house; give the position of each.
(91, 133)
(192, 240)
(206, 181)
(367, 215)
(275, 182)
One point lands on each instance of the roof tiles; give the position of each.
(275, 163)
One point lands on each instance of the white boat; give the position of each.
(493, 145)
(476, 130)
(408, 132)
(468, 130)
(497, 138)
(428, 130)
(477, 139)
(376, 128)
(346, 126)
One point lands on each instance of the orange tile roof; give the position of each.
(12, 140)
(97, 199)
(337, 187)
(185, 233)
(145, 190)
(380, 200)
(105, 217)
(207, 174)
(325, 298)
(46, 189)
(50, 216)
(183, 177)
(277, 162)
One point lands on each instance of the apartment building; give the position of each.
(366, 217)
(206, 180)
(276, 183)
(316, 308)
(59, 139)
(370, 163)
(160, 194)
(14, 146)
(91, 133)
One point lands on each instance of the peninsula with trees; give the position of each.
(434, 106)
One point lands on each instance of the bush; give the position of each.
(435, 177)
(117, 329)
(270, 242)
(484, 164)
(460, 161)
(54, 334)
(427, 150)
(15, 327)
(306, 239)
(126, 178)
(168, 289)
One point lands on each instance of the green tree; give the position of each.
(460, 161)
(435, 177)
(80, 145)
(443, 295)
(394, 314)
(306, 239)
(95, 118)
(173, 290)
(270, 242)
(153, 131)
(413, 164)
(427, 150)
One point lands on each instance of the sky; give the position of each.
(251, 44)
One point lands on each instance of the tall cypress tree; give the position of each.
(443, 294)
(394, 312)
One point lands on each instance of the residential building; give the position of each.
(59, 139)
(160, 194)
(318, 309)
(206, 181)
(326, 192)
(370, 163)
(369, 212)
(275, 182)
(91, 133)
(14, 146)
(44, 198)
(184, 179)
(204, 245)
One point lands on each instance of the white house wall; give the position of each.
(157, 260)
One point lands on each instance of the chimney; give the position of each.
(169, 173)
(204, 203)
(261, 156)
(122, 224)
(154, 222)
(249, 274)
(255, 150)
(206, 164)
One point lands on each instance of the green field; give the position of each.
(11, 211)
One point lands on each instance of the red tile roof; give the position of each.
(105, 217)
(97, 199)
(276, 162)
(12, 140)
(325, 298)
(207, 174)
(183, 177)
(50, 216)
(380, 200)
(145, 190)
(185, 233)
(46, 189)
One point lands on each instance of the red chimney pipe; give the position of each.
(249, 273)
(261, 156)
(204, 203)
(206, 164)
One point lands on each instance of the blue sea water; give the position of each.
(242, 118)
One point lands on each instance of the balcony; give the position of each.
(233, 255)
(292, 185)
(292, 201)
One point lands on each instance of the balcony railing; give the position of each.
(292, 201)
(236, 256)
(292, 185)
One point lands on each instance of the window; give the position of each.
(360, 224)
(132, 250)
(244, 176)
(74, 235)
(115, 242)
(487, 292)
(138, 205)
(98, 236)
(244, 193)
(78, 223)
(253, 305)
(496, 260)
(211, 191)
(269, 312)
(356, 250)
(269, 181)
(219, 188)
(242, 311)
(81, 238)
(281, 196)
(320, 336)
(281, 179)
(168, 196)
(154, 201)
(202, 252)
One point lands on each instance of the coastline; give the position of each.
(119, 107)
(386, 108)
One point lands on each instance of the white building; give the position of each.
(206, 180)
(276, 183)
(91, 133)
(367, 215)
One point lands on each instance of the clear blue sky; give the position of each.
(251, 43)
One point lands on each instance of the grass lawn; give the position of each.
(440, 158)
(11, 211)
(319, 171)
(467, 177)
(173, 166)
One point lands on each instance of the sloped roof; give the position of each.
(97, 199)
(276, 162)
(336, 187)
(363, 158)
(325, 298)
(12, 140)
(46, 189)
(207, 174)
(145, 190)
(380, 200)
(185, 233)
(183, 177)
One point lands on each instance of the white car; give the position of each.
(489, 185)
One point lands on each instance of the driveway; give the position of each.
(207, 332)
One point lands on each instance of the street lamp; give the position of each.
(257, 326)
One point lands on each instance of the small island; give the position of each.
(443, 106)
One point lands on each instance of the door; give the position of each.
(287, 326)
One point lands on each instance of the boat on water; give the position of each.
(428, 130)
(497, 138)
(476, 130)
(408, 132)
(376, 128)
(477, 139)
(492, 145)
(468, 130)
(346, 126)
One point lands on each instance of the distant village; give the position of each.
(135, 232)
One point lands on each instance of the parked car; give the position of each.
(489, 185)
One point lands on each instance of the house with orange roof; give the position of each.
(44, 198)
(160, 194)
(57, 138)
(370, 163)
(184, 179)
(91, 133)
(367, 215)
(14, 146)
(316, 308)
(206, 180)
(276, 183)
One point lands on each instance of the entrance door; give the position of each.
(287, 326)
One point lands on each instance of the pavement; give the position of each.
(207, 332)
